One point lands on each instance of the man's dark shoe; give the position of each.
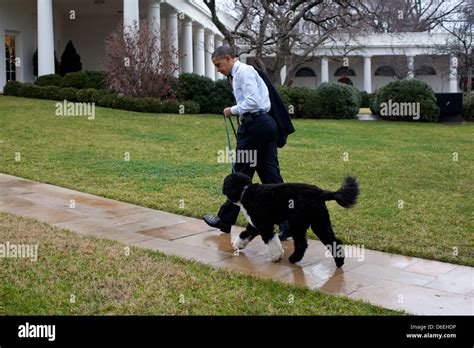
(215, 221)
(284, 235)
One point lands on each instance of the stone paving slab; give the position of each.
(393, 281)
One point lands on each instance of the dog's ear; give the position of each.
(234, 185)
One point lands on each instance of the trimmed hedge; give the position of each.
(68, 94)
(366, 99)
(335, 101)
(49, 80)
(12, 88)
(407, 91)
(196, 88)
(221, 96)
(29, 90)
(468, 107)
(85, 95)
(296, 100)
(211, 97)
(84, 79)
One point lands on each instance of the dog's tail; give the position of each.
(346, 196)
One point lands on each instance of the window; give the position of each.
(345, 80)
(305, 72)
(344, 71)
(10, 57)
(385, 70)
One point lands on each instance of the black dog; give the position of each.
(303, 205)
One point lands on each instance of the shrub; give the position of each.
(49, 80)
(149, 61)
(50, 92)
(468, 107)
(108, 100)
(99, 94)
(94, 79)
(297, 100)
(29, 90)
(198, 89)
(126, 103)
(85, 95)
(84, 79)
(366, 99)
(171, 106)
(70, 60)
(221, 96)
(335, 100)
(148, 104)
(408, 91)
(191, 107)
(68, 93)
(12, 88)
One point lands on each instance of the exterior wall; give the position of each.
(88, 34)
(439, 82)
(2, 47)
(20, 20)
(93, 24)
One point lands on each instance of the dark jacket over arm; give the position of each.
(278, 111)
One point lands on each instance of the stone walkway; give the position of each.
(393, 281)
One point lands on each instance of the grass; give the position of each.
(415, 199)
(79, 275)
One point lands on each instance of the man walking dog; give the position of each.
(264, 126)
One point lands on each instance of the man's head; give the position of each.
(224, 59)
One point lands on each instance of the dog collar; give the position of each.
(242, 194)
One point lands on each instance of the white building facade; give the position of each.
(372, 61)
(47, 25)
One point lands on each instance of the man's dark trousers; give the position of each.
(259, 135)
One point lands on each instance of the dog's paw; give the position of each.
(275, 249)
(339, 261)
(294, 258)
(240, 243)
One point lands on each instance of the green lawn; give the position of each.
(173, 159)
(79, 275)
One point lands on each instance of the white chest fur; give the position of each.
(247, 216)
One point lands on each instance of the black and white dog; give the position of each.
(303, 205)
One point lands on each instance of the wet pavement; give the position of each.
(393, 281)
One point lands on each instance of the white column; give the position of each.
(45, 38)
(411, 67)
(172, 26)
(453, 74)
(199, 53)
(3, 66)
(324, 70)
(131, 15)
(210, 68)
(368, 74)
(154, 13)
(218, 42)
(188, 45)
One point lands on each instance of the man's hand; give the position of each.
(227, 112)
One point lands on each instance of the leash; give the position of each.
(228, 140)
